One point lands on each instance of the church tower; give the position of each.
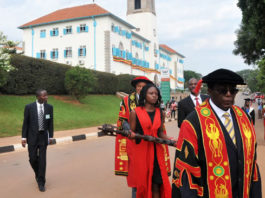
(142, 15)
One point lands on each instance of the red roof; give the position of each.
(169, 49)
(69, 13)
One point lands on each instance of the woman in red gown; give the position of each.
(149, 165)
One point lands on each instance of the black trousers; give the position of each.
(37, 158)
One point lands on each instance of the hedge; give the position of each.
(31, 74)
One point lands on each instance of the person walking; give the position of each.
(187, 105)
(260, 109)
(173, 109)
(250, 111)
(37, 132)
(150, 164)
(216, 148)
(123, 148)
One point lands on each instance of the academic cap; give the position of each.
(247, 99)
(140, 79)
(223, 76)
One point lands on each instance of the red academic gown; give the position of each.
(143, 157)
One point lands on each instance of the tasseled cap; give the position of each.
(140, 79)
(223, 76)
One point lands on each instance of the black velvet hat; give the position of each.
(140, 79)
(223, 76)
(247, 99)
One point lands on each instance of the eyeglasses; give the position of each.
(224, 90)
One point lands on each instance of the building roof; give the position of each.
(170, 50)
(140, 37)
(73, 13)
(15, 47)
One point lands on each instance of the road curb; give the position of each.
(55, 141)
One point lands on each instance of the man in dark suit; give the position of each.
(185, 107)
(188, 104)
(37, 132)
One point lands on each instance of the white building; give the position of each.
(91, 36)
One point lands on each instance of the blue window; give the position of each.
(42, 33)
(68, 52)
(54, 32)
(67, 30)
(54, 54)
(82, 51)
(128, 35)
(113, 51)
(123, 54)
(37, 55)
(181, 61)
(82, 28)
(116, 29)
(123, 33)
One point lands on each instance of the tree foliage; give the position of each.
(250, 77)
(79, 81)
(4, 60)
(250, 43)
(261, 75)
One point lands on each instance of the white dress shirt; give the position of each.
(220, 112)
(39, 106)
(38, 110)
(194, 100)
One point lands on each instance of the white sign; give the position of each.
(165, 73)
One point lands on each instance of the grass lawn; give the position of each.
(68, 114)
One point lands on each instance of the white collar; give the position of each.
(218, 111)
(193, 97)
(39, 104)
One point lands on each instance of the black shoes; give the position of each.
(41, 187)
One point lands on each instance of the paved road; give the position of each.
(79, 170)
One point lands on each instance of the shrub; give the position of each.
(124, 83)
(106, 83)
(79, 81)
(30, 74)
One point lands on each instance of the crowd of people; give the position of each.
(215, 151)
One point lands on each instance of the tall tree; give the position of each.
(4, 60)
(250, 43)
(250, 77)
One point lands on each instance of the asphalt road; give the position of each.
(80, 170)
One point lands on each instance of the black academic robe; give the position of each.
(236, 161)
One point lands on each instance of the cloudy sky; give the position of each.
(203, 31)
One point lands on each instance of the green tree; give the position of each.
(79, 81)
(250, 43)
(261, 75)
(250, 77)
(188, 74)
(4, 60)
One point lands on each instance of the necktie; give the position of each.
(197, 101)
(229, 127)
(41, 119)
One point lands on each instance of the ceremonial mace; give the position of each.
(110, 130)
